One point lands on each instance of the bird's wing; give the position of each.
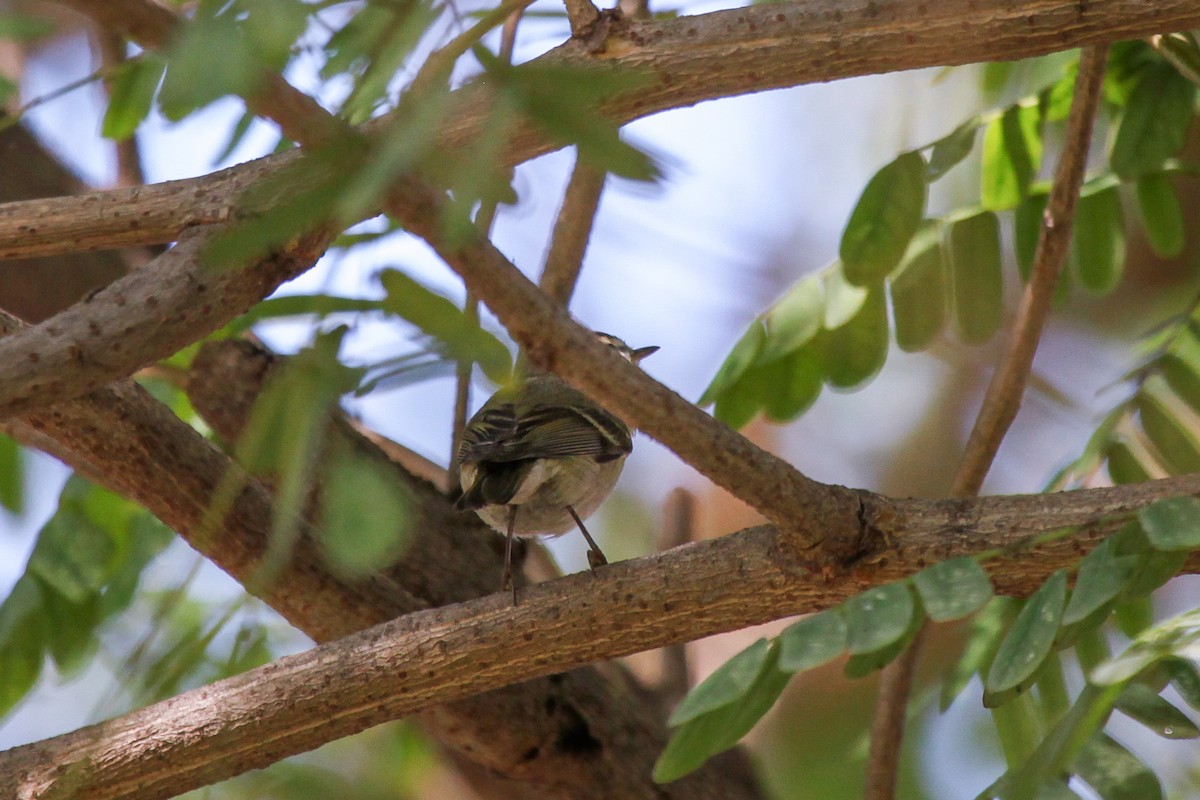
(499, 434)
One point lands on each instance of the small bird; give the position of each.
(540, 456)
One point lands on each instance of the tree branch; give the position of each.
(454, 652)
(757, 48)
(1004, 392)
(1003, 397)
(572, 230)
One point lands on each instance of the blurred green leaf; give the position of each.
(877, 617)
(17, 27)
(1030, 638)
(1182, 378)
(1012, 155)
(211, 59)
(1102, 576)
(793, 320)
(1115, 773)
(974, 249)
(953, 589)
(440, 318)
(1139, 702)
(271, 28)
(1172, 523)
(843, 300)
(859, 665)
(727, 683)
(1123, 465)
(1162, 218)
(73, 555)
(883, 222)
(1056, 100)
(919, 290)
(1155, 124)
(1098, 244)
(1172, 440)
(12, 476)
(854, 353)
(562, 102)
(744, 353)
(366, 518)
(813, 641)
(131, 95)
(73, 624)
(952, 148)
(1170, 638)
(23, 632)
(1184, 676)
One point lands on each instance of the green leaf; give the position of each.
(974, 249)
(212, 58)
(877, 617)
(1139, 702)
(1027, 229)
(73, 555)
(983, 637)
(366, 517)
(1174, 637)
(1155, 124)
(1102, 576)
(1185, 678)
(855, 352)
(796, 386)
(1098, 244)
(1162, 218)
(1030, 638)
(24, 27)
(953, 589)
(1115, 773)
(1172, 523)
(739, 405)
(884, 220)
(131, 95)
(12, 475)
(73, 623)
(744, 353)
(1123, 465)
(272, 27)
(842, 300)
(813, 641)
(695, 742)
(1012, 155)
(1056, 100)
(859, 665)
(22, 637)
(727, 684)
(794, 319)
(441, 319)
(1171, 439)
(919, 289)
(1182, 379)
(952, 148)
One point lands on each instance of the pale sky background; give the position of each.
(756, 194)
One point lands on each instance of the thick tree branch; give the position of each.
(449, 653)
(686, 60)
(1004, 393)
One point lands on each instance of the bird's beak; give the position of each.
(637, 355)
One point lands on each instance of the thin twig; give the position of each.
(484, 220)
(1003, 397)
(572, 229)
(679, 523)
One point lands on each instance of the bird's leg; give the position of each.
(595, 555)
(506, 581)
